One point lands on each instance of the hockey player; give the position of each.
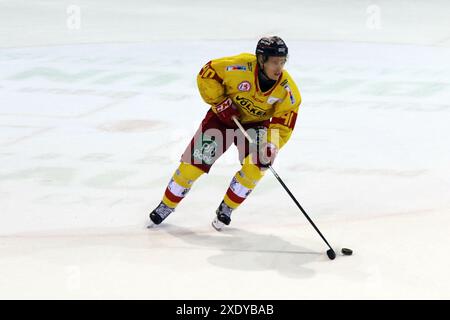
(263, 97)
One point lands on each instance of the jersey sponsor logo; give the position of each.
(291, 96)
(272, 100)
(248, 106)
(244, 86)
(206, 150)
(231, 68)
(177, 190)
(239, 189)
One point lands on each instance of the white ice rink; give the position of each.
(98, 99)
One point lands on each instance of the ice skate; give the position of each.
(159, 214)
(223, 217)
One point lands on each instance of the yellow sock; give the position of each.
(180, 184)
(243, 183)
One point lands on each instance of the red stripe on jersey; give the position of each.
(278, 121)
(233, 197)
(172, 197)
(292, 118)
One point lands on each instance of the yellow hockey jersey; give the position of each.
(237, 77)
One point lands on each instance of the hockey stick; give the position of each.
(330, 253)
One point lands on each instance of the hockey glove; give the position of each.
(266, 155)
(225, 112)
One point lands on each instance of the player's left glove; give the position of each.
(266, 155)
(225, 111)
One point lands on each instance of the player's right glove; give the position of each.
(266, 155)
(225, 112)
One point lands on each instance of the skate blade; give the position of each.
(218, 225)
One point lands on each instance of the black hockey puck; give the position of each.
(331, 254)
(347, 252)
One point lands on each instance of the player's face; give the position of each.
(273, 67)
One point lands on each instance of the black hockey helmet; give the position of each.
(271, 46)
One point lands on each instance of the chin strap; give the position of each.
(265, 82)
(261, 71)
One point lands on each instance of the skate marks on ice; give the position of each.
(378, 172)
(136, 125)
(13, 134)
(243, 250)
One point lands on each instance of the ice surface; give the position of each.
(93, 121)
